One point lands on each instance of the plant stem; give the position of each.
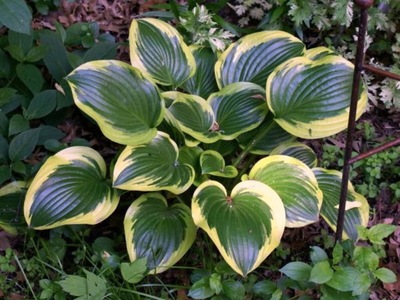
(251, 145)
(25, 277)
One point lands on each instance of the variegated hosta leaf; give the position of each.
(158, 50)
(295, 183)
(245, 226)
(194, 116)
(213, 163)
(318, 53)
(238, 107)
(264, 138)
(311, 99)
(191, 156)
(70, 188)
(297, 150)
(253, 57)
(158, 232)
(152, 167)
(357, 207)
(203, 82)
(11, 199)
(126, 105)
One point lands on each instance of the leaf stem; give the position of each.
(251, 145)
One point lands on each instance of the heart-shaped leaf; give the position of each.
(295, 183)
(311, 99)
(238, 107)
(297, 150)
(158, 50)
(194, 116)
(213, 163)
(70, 188)
(159, 233)
(152, 167)
(253, 57)
(126, 105)
(245, 226)
(357, 207)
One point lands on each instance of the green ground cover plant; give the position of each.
(207, 158)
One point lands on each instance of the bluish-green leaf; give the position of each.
(152, 167)
(253, 57)
(31, 76)
(159, 233)
(238, 108)
(245, 226)
(357, 207)
(311, 99)
(299, 271)
(296, 185)
(126, 105)
(70, 188)
(158, 50)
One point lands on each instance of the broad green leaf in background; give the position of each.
(194, 116)
(253, 57)
(213, 163)
(297, 270)
(92, 287)
(160, 233)
(203, 82)
(311, 99)
(321, 272)
(17, 124)
(15, 15)
(152, 167)
(266, 137)
(297, 150)
(135, 271)
(31, 76)
(56, 59)
(5, 94)
(357, 207)
(22, 145)
(238, 108)
(70, 188)
(126, 105)
(22, 40)
(296, 185)
(41, 105)
(246, 226)
(158, 50)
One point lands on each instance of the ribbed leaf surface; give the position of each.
(253, 57)
(357, 207)
(194, 116)
(152, 167)
(311, 99)
(70, 188)
(126, 105)
(160, 233)
(295, 183)
(297, 150)
(158, 50)
(203, 82)
(238, 107)
(245, 226)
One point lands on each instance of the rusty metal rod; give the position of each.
(375, 150)
(358, 67)
(381, 72)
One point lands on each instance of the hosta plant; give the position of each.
(207, 140)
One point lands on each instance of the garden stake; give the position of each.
(364, 5)
(359, 67)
